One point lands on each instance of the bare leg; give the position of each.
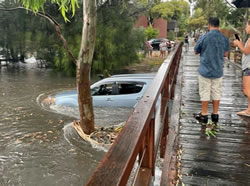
(246, 90)
(204, 106)
(216, 104)
(150, 53)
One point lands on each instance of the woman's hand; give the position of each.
(237, 43)
(246, 49)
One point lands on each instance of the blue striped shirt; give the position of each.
(211, 48)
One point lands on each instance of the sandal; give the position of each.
(243, 113)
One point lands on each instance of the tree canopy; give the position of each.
(171, 9)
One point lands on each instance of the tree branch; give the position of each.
(53, 22)
(230, 4)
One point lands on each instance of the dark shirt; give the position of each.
(211, 48)
(186, 39)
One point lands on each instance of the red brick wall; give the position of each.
(142, 21)
(161, 25)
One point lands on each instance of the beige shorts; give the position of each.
(210, 88)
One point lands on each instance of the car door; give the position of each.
(129, 93)
(101, 94)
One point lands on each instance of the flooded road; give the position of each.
(37, 146)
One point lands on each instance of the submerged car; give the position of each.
(123, 90)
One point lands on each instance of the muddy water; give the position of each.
(38, 146)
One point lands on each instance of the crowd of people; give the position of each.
(212, 48)
(165, 47)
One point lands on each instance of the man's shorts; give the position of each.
(210, 88)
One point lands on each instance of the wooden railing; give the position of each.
(145, 130)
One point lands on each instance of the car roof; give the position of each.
(146, 75)
(146, 78)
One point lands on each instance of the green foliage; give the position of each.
(65, 6)
(236, 17)
(215, 8)
(197, 21)
(171, 35)
(117, 41)
(211, 129)
(151, 32)
(171, 9)
(164, 10)
(12, 31)
(180, 39)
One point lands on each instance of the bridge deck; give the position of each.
(220, 160)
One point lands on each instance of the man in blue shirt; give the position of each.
(212, 47)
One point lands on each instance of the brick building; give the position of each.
(160, 24)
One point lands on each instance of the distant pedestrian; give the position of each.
(149, 49)
(169, 46)
(212, 47)
(186, 43)
(196, 37)
(163, 48)
(245, 68)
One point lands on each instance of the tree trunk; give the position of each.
(84, 65)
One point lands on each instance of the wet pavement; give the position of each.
(220, 160)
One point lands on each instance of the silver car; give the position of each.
(116, 91)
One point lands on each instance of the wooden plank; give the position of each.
(207, 145)
(144, 177)
(148, 159)
(224, 135)
(229, 176)
(206, 181)
(218, 139)
(220, 160)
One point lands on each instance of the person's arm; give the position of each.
(198, 46)
(245, 50)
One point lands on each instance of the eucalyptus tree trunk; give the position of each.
(84, 66)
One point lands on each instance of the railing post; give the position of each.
(148, 160)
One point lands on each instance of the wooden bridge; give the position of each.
(220, 160)
(187, 155)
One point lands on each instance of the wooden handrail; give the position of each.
(144, 131)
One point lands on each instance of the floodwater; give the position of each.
(38, 146)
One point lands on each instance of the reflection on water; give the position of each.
(38, 147)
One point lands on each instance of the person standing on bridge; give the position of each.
(212, 47)
(186, 43)
(245, 68)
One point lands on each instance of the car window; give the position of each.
(130, 87)
(117, 88)
(101, 90)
